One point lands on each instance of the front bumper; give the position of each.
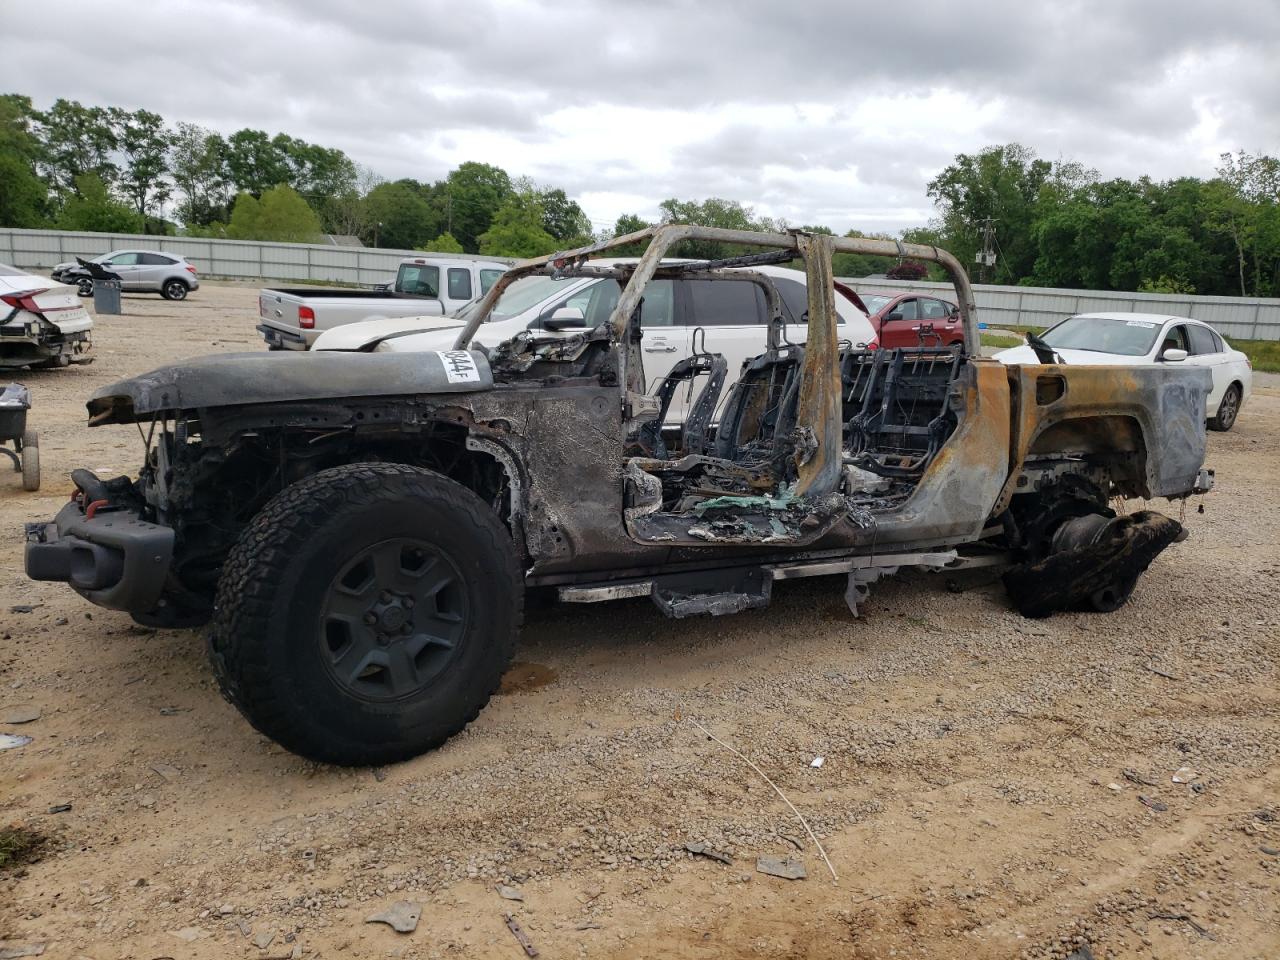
(113, 558)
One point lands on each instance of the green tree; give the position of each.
(469, 199)
(564, 219)
(198, 165)
(629, 223)
(144, 143)
(256, 162)
(445, 243)
(280, 215)
(1003, 183)
(712, 212)
(76, 140)
(516, 230)
(859, 264)
(1248, 213)
(91, 207)
(23, 195)
(401, 217)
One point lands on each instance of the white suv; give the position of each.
(731, 317)
(140, 271)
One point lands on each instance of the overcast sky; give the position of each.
(815, 110)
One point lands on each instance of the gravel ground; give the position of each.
(979, 796)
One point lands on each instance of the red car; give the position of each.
(913, 320)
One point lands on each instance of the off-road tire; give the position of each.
(174, 290)
(265, 638)
(1228, 410)
(30, 461)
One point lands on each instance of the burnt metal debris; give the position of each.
(823, 458)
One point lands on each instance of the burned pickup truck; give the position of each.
(362, 529)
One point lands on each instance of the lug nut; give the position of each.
(370, 619)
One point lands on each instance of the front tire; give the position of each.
(367, 613)
(84, 287)
(174, 290)
(1228, 410)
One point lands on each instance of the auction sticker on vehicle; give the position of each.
(459, 366)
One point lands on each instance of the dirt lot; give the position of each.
(980, 796)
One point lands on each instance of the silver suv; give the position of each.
(140, 271)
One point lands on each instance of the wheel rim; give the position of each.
(177, 291)
(86, 287)
(1230, 407)
(392, 619)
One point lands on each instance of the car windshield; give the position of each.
(519, 297)
(874, 303)
(1126, 338)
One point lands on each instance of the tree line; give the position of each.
(1048, 223)
(105, 169)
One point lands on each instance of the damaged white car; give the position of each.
(42, 323)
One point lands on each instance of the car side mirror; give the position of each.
(1173, 355)
(895, 316)
(565, 317)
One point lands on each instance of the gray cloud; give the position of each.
(821, 112)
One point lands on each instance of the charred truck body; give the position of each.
(362, 528)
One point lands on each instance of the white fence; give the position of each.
(1247, 318)
(228, 259)
(1242, 317)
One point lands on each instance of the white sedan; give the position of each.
(1134, 338)
(42, 323)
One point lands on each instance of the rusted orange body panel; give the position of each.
(1149, 420)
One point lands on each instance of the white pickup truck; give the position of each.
(292, 317)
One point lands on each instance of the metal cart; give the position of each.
(15, 401)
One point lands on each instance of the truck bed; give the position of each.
(324, 308)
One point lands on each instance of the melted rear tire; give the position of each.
(281, 655)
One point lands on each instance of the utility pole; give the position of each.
(986, 257)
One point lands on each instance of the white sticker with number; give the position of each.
(459, 366)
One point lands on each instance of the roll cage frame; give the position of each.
(819, 392)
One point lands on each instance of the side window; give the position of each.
(659, 307)
(487, 279)
(795, 299)
(1217, 342)
(906, 310)
(581, 299)
(933, 310)
(595, 300)
(1201, 340)
(604, 297)
(459, 283)
(418, 279)
(124, 259)
(724, 303)
(155, 260)
(1175, 338)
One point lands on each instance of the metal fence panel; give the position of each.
(1243, 317)
(1249, 318)
(39, 250)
